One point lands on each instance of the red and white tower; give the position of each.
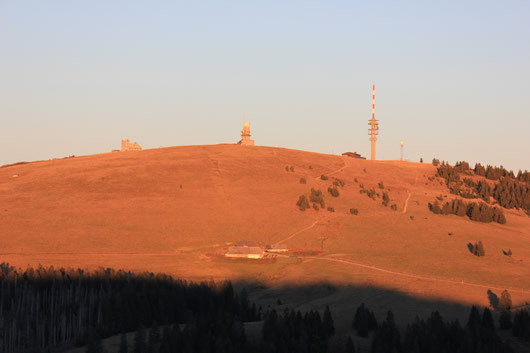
(373, 130)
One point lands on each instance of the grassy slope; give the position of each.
(129, 210)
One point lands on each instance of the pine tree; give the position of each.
(364, 321)
(386, 338)
(487, 319)
(124, 347)
(505, 320)
(474, 322)
(94, 343)
(478, 249)
(435, 207)
(350, 348)
(505, 301)
(153, 341)
(327, 323)
(475, 212)
(446, 209)
(479, 170)
(139, 341)
(386, 198)
(521, 324)
(486, 214)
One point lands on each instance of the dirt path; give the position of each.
(410, 194)
(338, 170)
(297, 232)
(407, 202)
(411, 275)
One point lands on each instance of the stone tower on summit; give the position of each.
(245, 136)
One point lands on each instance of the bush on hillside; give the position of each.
(386, 198)
(317, 197)
(339, 182)
(478, 249)
(354, 211)
(302, 203)
(333, 191)
(369, 192)
(331, 209)
(381, 185)
(505, 301)
(323, 177)
(303, 181)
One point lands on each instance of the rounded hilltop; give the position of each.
(179, 209)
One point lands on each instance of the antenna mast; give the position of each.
(373, 130)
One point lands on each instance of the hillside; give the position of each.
(178, 209)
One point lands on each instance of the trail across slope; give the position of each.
(297, 232)
(410, 194)
(337, 170)
(411, 275)
(407, 202)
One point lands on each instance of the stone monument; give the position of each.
(126, 145)
(245, 136)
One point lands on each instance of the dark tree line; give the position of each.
(296, 332)
(45, 307)
(496, 173)
(521, 325)
(508, 190)
(436, 335)
(364, 321)
(512, 194)
(479, 212)
(42, 308)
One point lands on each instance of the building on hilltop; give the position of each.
(245, 249)
(276, 248)
(126, 145)
(245, 136)
(353, 155)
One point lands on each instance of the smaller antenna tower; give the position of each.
(402, 144)
(373, 130)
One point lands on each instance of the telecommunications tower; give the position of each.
(402, 144)
(373, 130)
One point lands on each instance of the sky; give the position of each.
(452, 77)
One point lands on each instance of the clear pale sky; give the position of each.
(452, 77)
